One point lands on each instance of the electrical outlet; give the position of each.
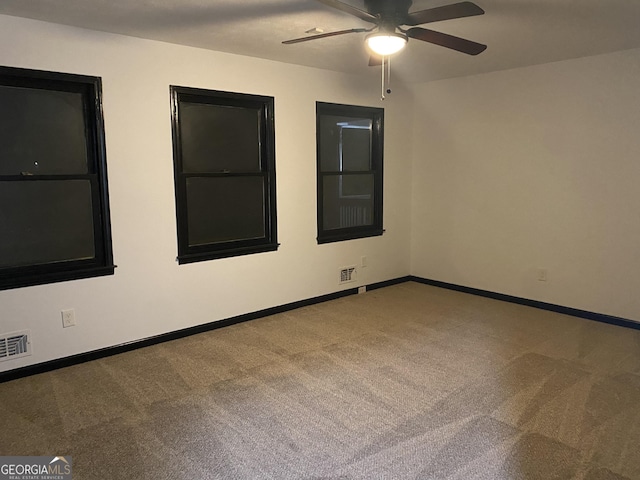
(542, 274)
(68, 318)
(362, 289)
(363, 261)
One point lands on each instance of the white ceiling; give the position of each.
(517, 32)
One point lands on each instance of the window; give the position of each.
(54, 212)
(349, 163)
(224, 159)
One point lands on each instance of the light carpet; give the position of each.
(405, 382)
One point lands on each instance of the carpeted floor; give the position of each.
(405, 382)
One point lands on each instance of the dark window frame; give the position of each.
(211, 251)
(90, 88)
(376, 115)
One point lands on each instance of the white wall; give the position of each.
(533, 168)
(150, 293)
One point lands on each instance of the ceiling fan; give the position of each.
(387, 36)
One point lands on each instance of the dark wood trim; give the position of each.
(265, 107)
(230, 252)
(77, 273)
(376, 115)
(165, 337)
(388, 283)
(574, 312)
(344, 234)
(90, 90)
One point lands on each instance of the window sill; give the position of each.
(232, 252)
(340, 236)
(18, 281)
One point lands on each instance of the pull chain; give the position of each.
(387, 77)
(382, 81)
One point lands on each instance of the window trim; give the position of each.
(377, 153)
(102, 263)
(212, 251)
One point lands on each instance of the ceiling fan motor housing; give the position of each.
(390, 12)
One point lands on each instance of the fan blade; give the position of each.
(375, 61)
(324, 35)
(356, 12)
(448, 41)
(447, 12)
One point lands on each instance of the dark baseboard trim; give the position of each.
(388, 283)
(164, 337)
(598, 317)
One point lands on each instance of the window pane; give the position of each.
(356, 150)
(45, 221)
(223, 209)
(347, 201)
(41, 132)
(345, 143)
(219, 138)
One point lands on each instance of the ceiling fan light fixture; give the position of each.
(386, 43)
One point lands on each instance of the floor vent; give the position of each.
(14, 345)
(348, 274)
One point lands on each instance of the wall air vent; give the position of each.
(348, 274)
(14, 345)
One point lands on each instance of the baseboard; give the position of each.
(575, 312)
(388, 283)
(164, 337)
